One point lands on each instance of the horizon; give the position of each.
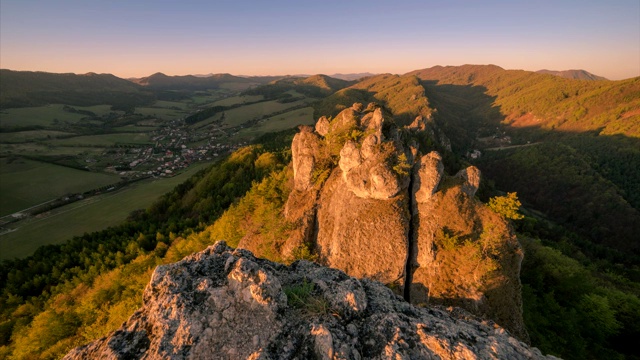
(294, 75)
(283, 37)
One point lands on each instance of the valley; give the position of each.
(509, 193)
(56, 158)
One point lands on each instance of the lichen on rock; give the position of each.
(223, 303)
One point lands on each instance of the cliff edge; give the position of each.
(223, 303)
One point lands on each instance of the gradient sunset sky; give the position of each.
(137, 38)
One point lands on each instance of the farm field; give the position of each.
(234, 100)
(96, 143)
(161, 112)
(40, 149)
(238, 116)
(171, 104)
(99, 110)
(103, 140)
(37, 116)
(31, 135)
(25, 183)
(283, 121)
(92, 214)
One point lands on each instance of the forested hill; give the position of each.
(569, 148)
(160, 81)
(572, 74)
(27, 88)
(316, 86)
(547, 102)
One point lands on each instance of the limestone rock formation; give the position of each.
(322, 126)
(223, 303)
(429, 171)
(368, 202)
(304, 151)
(364, 236)
(463, 253)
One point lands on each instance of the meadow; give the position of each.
(280, 122)
(32, 135)
(161, 112)
(25, 183)
(240, 115)
(103, 140)
(92, 214)
(235, 100)
(37, 116)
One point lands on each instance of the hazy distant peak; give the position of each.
(351, 76)
(572, 74)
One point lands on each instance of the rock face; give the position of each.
(223, 303)
(464, 254)
(390, 213)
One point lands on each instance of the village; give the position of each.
(176, 147)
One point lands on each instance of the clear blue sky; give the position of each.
(137, 38)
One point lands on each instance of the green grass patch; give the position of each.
(89, 215)
(161, 113)
(238, 116)
(304, 297)
(25, 183)
(37, 116)
(99, 110)
(135, 129)
(31, 135)
(235, 100)
(280, 122)
(104, 140)
(40, 149)
(170, 104)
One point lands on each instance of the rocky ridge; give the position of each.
(223, 303)
(373, 200)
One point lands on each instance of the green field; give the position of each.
(103, 140)
(283, 121)
(99, 110)
(25, 183)
(238, 116)
(88, 215)
(170, 104)
(235, 100)
(135, 129)
(205, 98)
(39, 149)
(31, 135)
(37, 116)
(162, 113)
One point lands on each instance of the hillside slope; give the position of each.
(597, 123)
(27, 88)
(160, 81)
(572, 74)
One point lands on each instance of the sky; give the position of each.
(276, 37)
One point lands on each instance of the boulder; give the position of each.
(223, 303)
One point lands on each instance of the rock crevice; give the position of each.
(389, 213)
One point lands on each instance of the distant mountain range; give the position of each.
(160, 81)
(572, 74)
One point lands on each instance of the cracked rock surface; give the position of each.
(224, 303)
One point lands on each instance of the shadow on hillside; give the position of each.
(586, 181)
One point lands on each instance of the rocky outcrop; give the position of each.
(463, 254)
(304, 149)
(223, 303)
(364, 236)
(390, 213)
